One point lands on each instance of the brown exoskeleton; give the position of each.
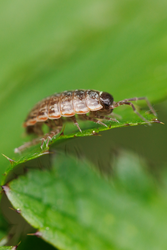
(98, 104)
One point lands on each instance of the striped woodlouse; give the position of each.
(67, 104)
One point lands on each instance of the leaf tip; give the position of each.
(37, 233)
(157, 121)
(15, 247)
(16, 210)
(11, 161)
(5, 189)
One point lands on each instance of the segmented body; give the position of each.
(51, 110)
(65, 104)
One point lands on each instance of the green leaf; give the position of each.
(73, 208)
(115, 46)
(7, 248)
(129, 118)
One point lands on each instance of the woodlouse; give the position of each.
(67, 104)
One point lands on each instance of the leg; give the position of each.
(104, 117)
(27, 145)
(139, 99)
(76, 123)
(35, 129)
(48, 137)
(88, 118)
(54, 124)
(124, 102)
(116, 115)
(55, 127)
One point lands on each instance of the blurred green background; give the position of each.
(118, 46)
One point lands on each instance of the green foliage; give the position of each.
(73, 208)
(7, 248)
(47, 47)
(129, 118)
(113, 46)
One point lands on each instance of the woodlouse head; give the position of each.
(106, 100)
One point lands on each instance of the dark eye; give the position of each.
(106, 99)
